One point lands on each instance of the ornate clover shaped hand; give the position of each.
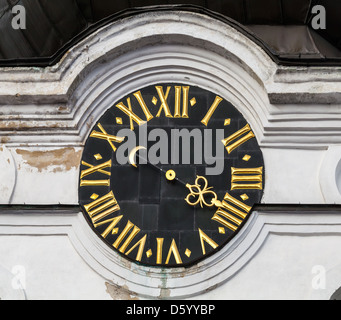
(201, 193)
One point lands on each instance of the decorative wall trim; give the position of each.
(175, 283)
(330, 175)
(56, 106)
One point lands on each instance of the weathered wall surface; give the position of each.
(46, 115)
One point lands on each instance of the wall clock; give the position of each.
(169, 174)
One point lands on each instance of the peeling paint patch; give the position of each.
(119, 293)
(164, 294)
(7, 175)
(4, 140)
(62, 159)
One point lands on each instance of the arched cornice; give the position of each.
(162, 46)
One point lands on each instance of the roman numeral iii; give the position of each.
(247, 179)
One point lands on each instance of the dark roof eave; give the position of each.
(287, 60)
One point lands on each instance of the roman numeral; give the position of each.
(159, 250)
(122, 248)
(102, 207)
(246, 131)
(129, 112)
(172, 250)
(105, 136)
(247, 179)
(210, 112)
(140, 244)
(93, 169)
(111, 229)
(185, 94)
(139, 98)
(180, 102)
(164, 104)
(205, 238)
(227, 214)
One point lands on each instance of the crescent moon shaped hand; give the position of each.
(132, 155)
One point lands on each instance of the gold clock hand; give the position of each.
(200, 193)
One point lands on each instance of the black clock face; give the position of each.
(169, 174)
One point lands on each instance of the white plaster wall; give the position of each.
(283, 268)
(45, 176)
(292, 176)
(274, 255)
(53, 269)
(287, 267)
(300, 142)
(277, 255)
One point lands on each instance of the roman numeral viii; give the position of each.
(122, 247)
(99, 212)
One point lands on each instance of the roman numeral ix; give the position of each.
(93, 169)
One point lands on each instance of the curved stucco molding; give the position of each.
(66, 99)
(46, 114)
(330, 175)
(121, 34)
(178, 283)
(55, 106)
